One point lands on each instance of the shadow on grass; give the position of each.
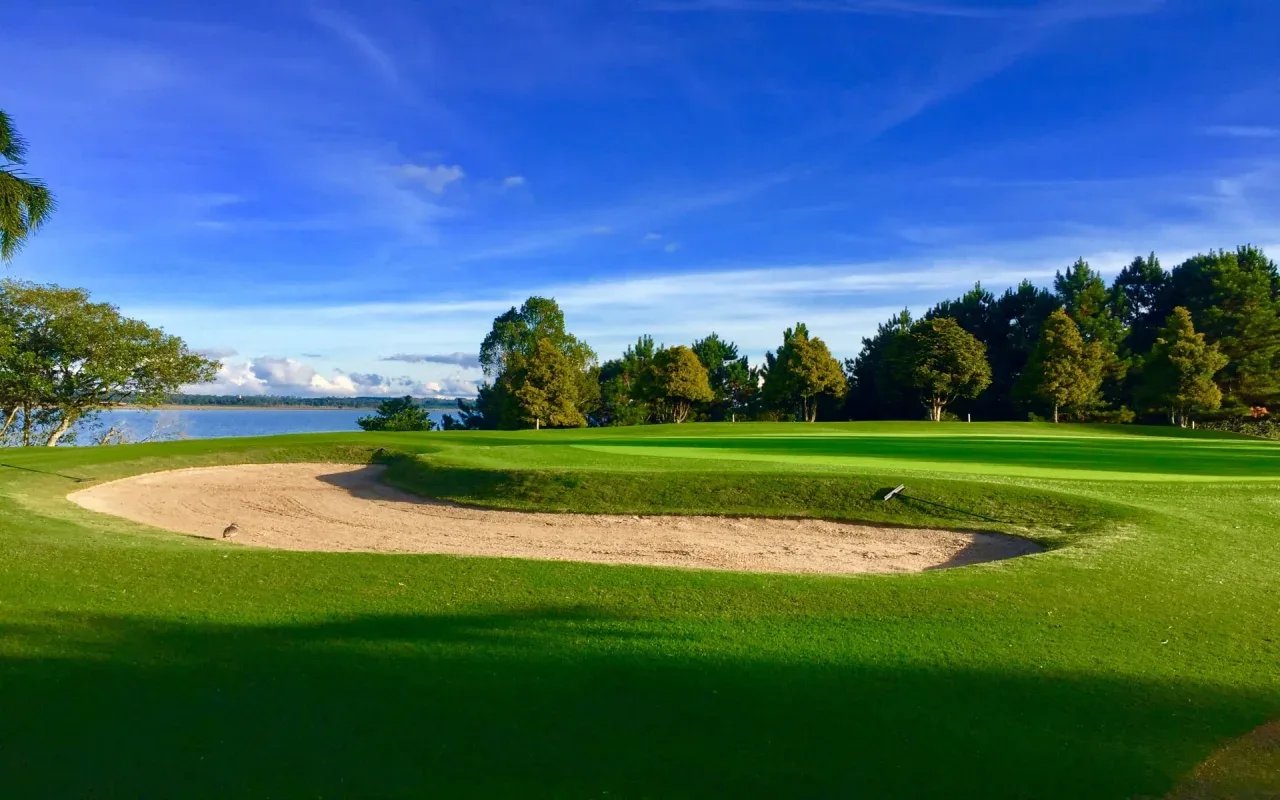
(46, 472)
(909, 499)
(560, 701)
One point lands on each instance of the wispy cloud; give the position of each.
(432, 178)
(1242, 131)
(867, 7)
(376, 189)
(514, 182)
(637, 214)
(842, 300)
(909, 8)
(467, 360)
(216, 353)
(374, 55)
(1015, 33)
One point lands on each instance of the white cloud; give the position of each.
(450, 387)
(514, 182)
(432, 178)
(652, 236)
(671, 247)
(269, 375)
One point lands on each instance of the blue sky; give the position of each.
(338, 197)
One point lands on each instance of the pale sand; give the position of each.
(341, 507)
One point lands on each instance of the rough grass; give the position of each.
(138, 663)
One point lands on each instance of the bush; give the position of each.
(1263, 428)
(398, 414)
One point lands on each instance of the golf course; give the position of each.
(1130, 653)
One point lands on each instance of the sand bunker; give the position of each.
(339, 507)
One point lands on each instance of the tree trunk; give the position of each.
(1055, 413)
(8, 421)
(537, 423)
(935, 411)
(60, 431)
(679, 411)
(26, 424)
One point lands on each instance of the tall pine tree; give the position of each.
(1098, 314)
(1064, 370)
(1178, 376)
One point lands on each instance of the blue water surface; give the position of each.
(215, 423)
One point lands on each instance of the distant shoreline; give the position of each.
(183, 407)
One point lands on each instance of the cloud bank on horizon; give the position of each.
(337, 198)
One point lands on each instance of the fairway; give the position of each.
(139, 662)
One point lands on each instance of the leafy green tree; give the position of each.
(740, 384)
(944, 362)
(1020, 319)
(1098, 313)
(546, 386)
(1234, 301)
(398, 414)
(627, 386)
(975, 311)
(1009, 325)
(1064, 371)
(1179, 371)
(729, 374)
(25, 202)
(69, 357)
(802, 370)
(681, 381)
(1084, 295)
(485, 411)
(1142, 288)
(876, 390)
(516, 347)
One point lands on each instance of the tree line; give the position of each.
(1200, 341)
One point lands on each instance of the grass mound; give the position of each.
(1049, 516)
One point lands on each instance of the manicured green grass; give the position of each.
(135, 663)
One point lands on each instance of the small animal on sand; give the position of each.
(230, 530)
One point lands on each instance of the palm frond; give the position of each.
(13, 148)
(25, 204)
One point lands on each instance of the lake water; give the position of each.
(213, 423)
